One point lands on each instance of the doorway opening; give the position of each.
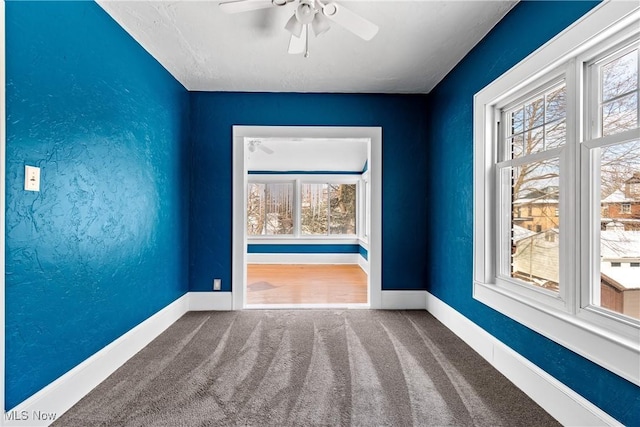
(306, 217)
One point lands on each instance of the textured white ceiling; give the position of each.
(205, 49)
(310, 154)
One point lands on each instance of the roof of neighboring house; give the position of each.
(617, 197)
(523, 234)
(627, 277)
(609, 281)
(622, 246)
(547, 195)
(635, 179)
(529, 201)
(520, 233)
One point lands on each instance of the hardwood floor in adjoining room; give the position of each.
(306, 284)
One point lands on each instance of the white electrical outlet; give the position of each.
(31, 178)
(216, 284)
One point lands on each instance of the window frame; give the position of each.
(597, 336)
(562, 299)
(590, 218)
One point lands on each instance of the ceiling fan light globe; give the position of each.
(305, 12)
(279, 2)
(320, 25)
(330, 9)
(294, 26)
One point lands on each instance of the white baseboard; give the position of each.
(56, 398)
(303, 258)
(363, 263)
(403, 300)
(564, 404)
(208, 301)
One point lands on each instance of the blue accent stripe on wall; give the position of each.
(363, 252)
(304, 173)
(104, 244)
(302, 249)
(449, 190)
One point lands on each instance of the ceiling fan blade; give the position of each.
(265, 149)
(350, 20)
(298, 44)
(238, 6)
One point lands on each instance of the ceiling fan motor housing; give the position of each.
(305, 12)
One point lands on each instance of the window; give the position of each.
(300, 208)
(328, 209)
(612, 146)
(270, 209)
(528, 175)
(634, 264)
(558, 135)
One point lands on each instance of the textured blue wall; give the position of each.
(402, 118)
(103, 246)
(450, 223)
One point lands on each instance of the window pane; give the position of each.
(620, 76)
(342, 205)
(314, 209)
(534, 113)
(620, 114)
(619, 287)
(556, 104)
(538, 124)
(534, 140)
(535, 224)
(269, 209)
(517, 146)
(619, 93)
(517, 121)
(555, 134)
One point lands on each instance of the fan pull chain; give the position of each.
(306, 42)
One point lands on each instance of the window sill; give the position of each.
(612, 351)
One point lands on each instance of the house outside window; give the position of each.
(626, 208)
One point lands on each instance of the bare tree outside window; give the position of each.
(269, 209)
(328, 209)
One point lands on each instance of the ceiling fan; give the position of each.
(254, 144)
(309, 13)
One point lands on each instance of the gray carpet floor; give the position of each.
(306, 368)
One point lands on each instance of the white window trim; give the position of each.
(364, 220)
(239, 203)
(616, 352)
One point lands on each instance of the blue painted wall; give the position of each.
(402, 118)
(103, 246)
(302, 249)
(450, 189)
